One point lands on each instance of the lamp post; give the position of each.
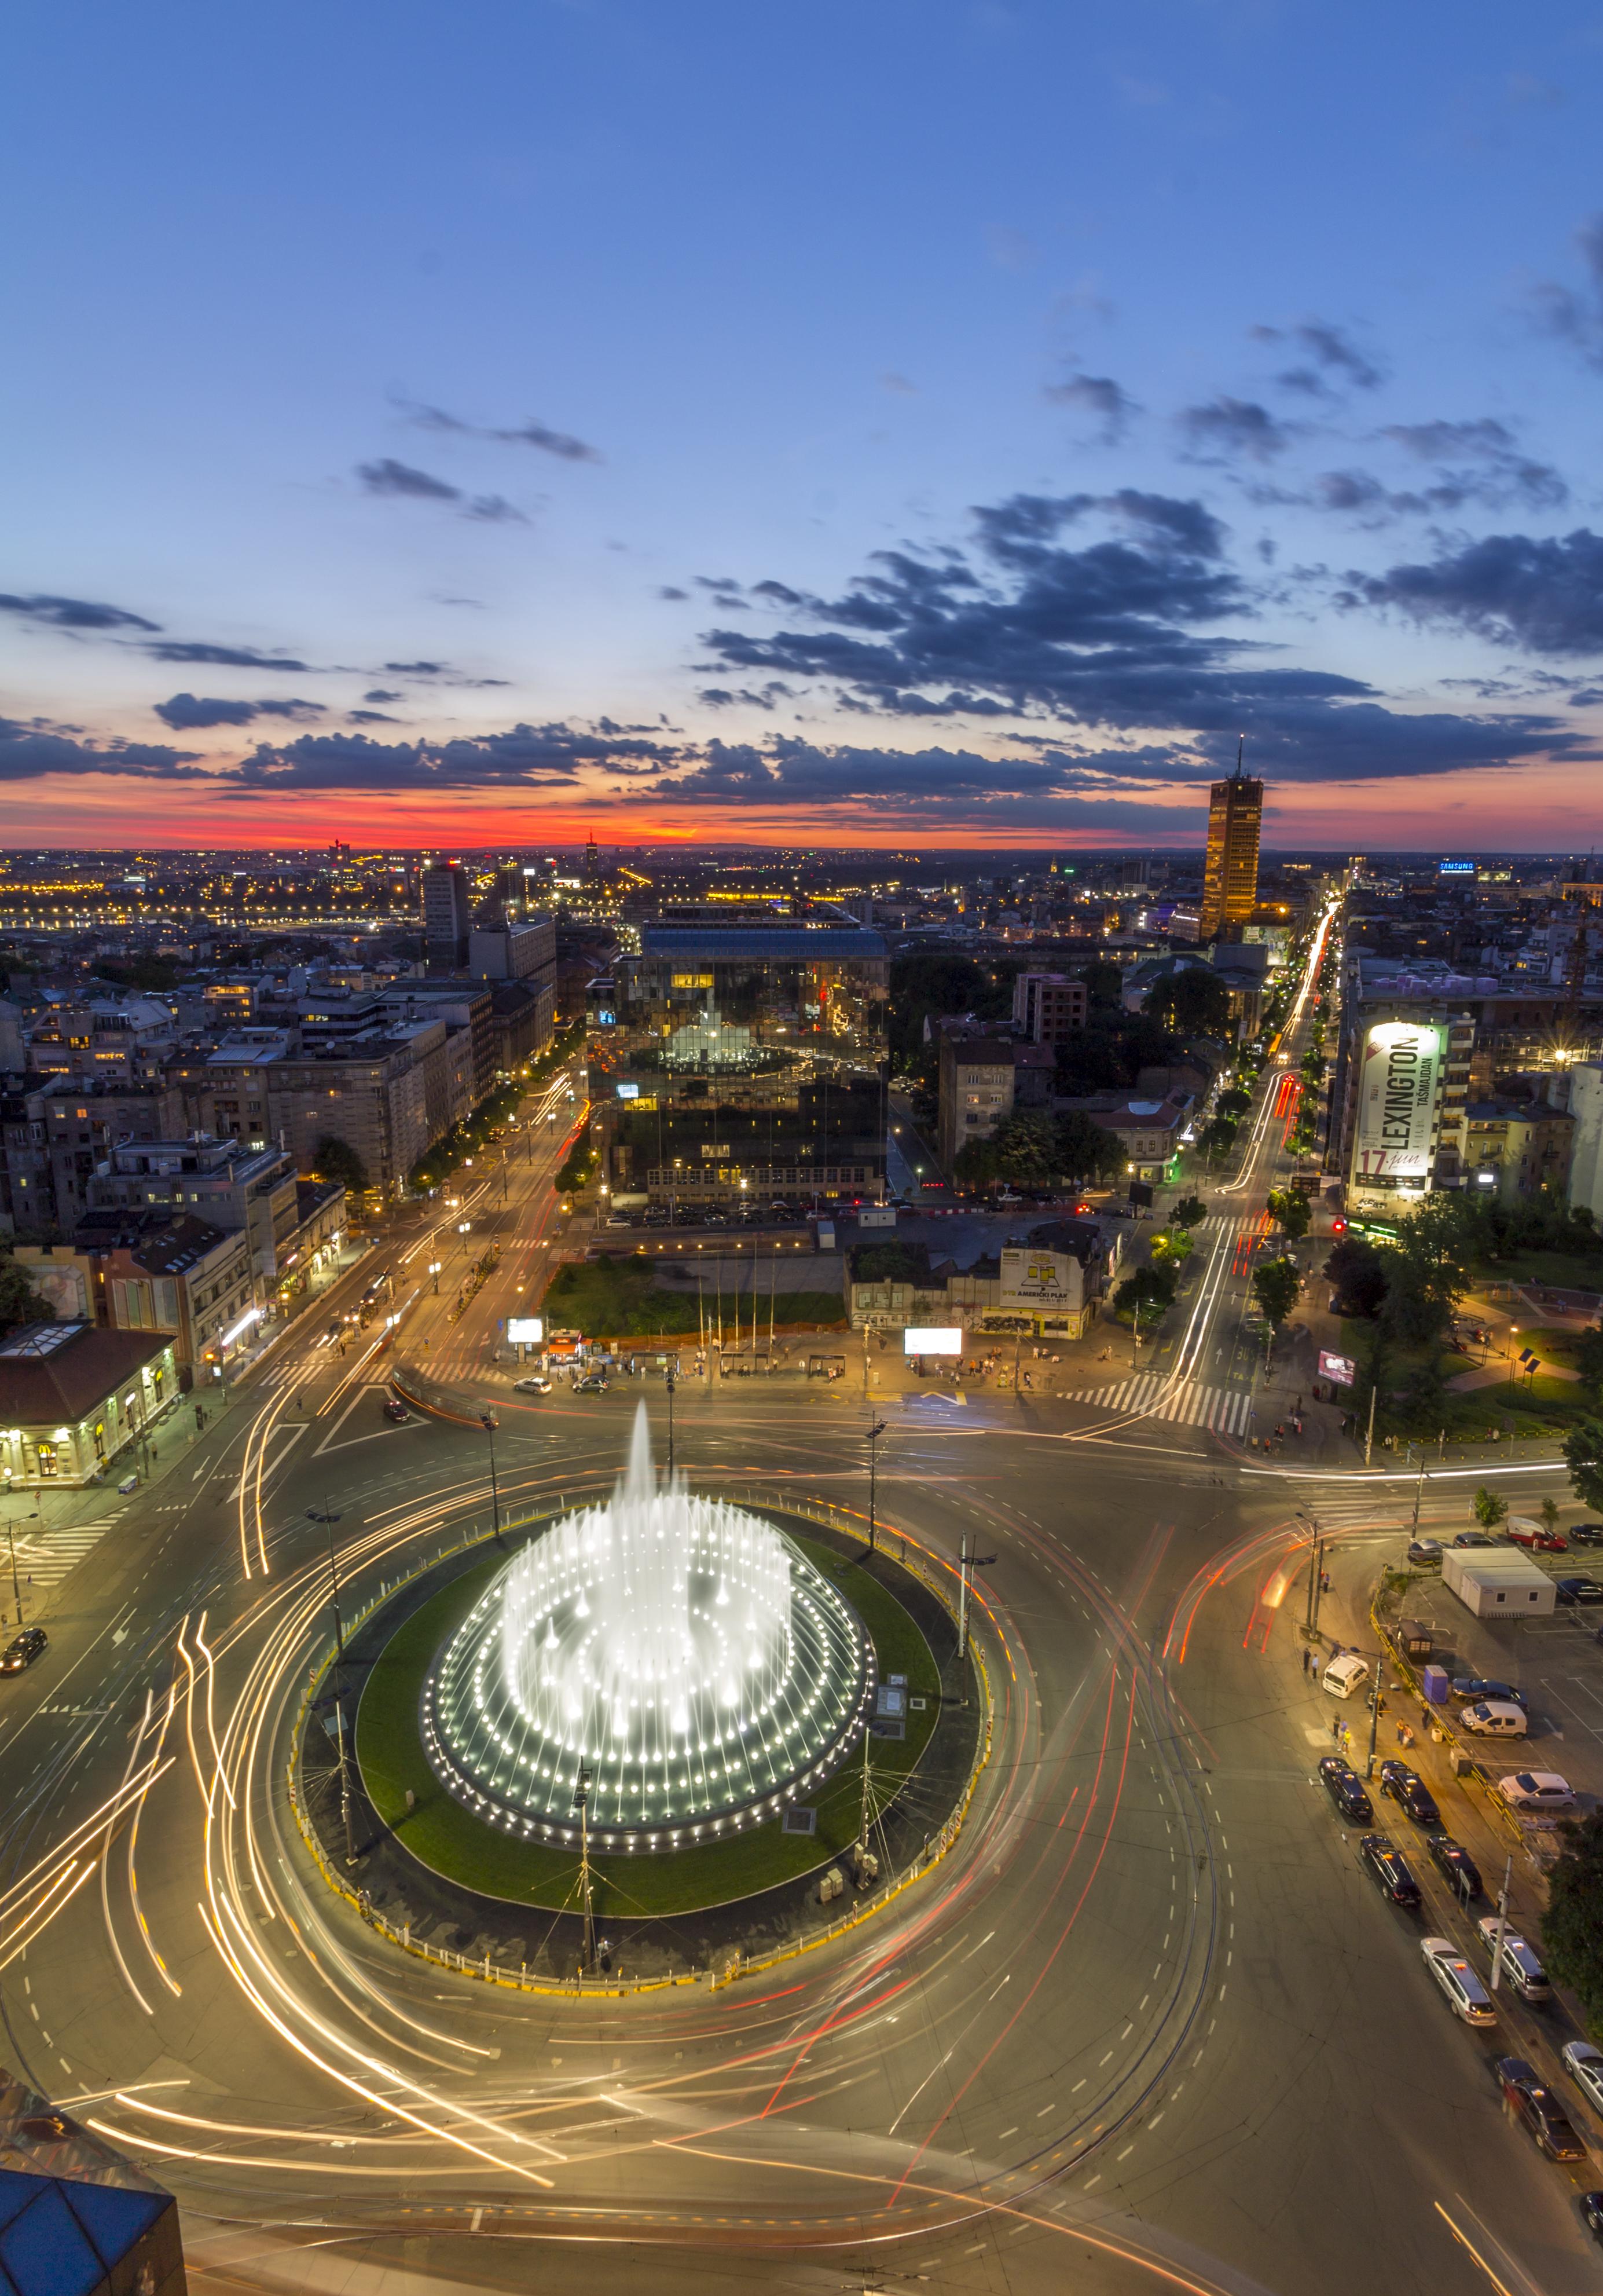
(11, 1533)
(488, 1421)
(1316, 1559)
(876, 1428)
(581, 1802)
(670, 1381)
(324, 1515)
(434, 1268)
(461, 1229)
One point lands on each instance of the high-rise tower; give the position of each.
(1230, 886)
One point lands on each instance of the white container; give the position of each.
(1497, 1583)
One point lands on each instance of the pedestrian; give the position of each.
(1304, 1658)
(1336, 1726)
(1324, 1582)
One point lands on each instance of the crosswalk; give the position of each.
(1156, 1395)
(45, 1557)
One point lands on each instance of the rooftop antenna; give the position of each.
(1241, 746)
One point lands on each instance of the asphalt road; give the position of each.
(1150, 2026)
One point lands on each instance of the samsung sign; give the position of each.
(1455, 868)
(1397, 1101)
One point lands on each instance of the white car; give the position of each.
(1584, 2065)
(1494, 1717)
(1344, 1675)
(1536, 1790)
(1522, 1964)
(533, 1385)
(1467, 1997)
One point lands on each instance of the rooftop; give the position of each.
(55, 1384)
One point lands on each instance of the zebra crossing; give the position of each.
(45, 1557)
(1156, 1395)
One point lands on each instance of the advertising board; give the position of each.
(932, 1339)
(526, 1331)
(1342, 1369)
(1040, 1281)
(1397, 1088)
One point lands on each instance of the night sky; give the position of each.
(908, 421)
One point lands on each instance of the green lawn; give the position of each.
(621, 1298)
(444, 1835)
(1564, 1270)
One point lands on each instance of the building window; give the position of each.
(46, 1452)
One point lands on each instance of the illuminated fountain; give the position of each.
(682, 1650)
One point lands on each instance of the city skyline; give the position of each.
(972, 457)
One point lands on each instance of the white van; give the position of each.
(1494, 1717)
(1346, 1674)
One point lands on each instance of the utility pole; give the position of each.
(1375, 1713)
(1368, 1440)
(962, 1598)
(1419, 1487)
(328, 1519)
(16, 1584)
(1502, 1922)
(671, 1381)
(877, 1429)
(488, 1421)
(862, 1821)
(1316, 1560)
(581, 1802)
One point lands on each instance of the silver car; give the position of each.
(1584, 2065)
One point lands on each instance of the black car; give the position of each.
(1389, 1869)
(1531, 2100)
(1408, 1788)
(1476, 1686)
(22, 1650)
(1474, 1538)
(1591, 2214)
(1585, 1534)
(1455, 1865)
(1578, 1590)
(1346, 1789)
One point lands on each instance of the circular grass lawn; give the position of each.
(455, 1844)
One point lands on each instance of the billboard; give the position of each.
(526, 1331)
(1342, 1369)
(1040, 1281)
(1397, 1089)
(932, 1339)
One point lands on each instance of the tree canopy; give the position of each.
(1583, 1456)
(1193, 1000)
(334, 1158)
(1572, 1927)
(1277, 1284)
(1290, 1210)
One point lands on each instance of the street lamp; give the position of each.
(461, 1229)
(876, 1428)
(11, 1533)
(434, 1268)
(488, 1421)
(671, 1381)
(328, 1519)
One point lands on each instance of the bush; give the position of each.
(1490, 1508)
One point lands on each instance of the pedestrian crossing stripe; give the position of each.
(1156, 1395)
(45, 1558)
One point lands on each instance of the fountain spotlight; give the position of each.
(682, 1651)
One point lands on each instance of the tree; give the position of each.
(1171, 1246)
(334, 1158)
(1278, 1285)
(20, 1303)
(1572, 1928)
(1549, 1512)
(1584, 1454)
(1193, 1000)
(1290, 1211)
(1026, 1145)
(1235, 1102)
(1359, 1273)
(1589, 1362)
(1435, 1249)
(1148, 1288)
(1086, 1150)
(1490, 1510)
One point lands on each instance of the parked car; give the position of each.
(1389, 1869)
(1346, 1790)
(22, 1650)
(1467, 1997)
(536, 1383)
(1536, 1789)
(1424, 1551)
(1408, 1788)
(1523, 1532)
(1585, 1534)
(1481, 1685)
(1495, 1717)
(1591, 2214)
(393, 1409)
(1578, 1590)
(1521, 1962)
(1474, 1538)
(593, 1384)
(1533, 2103)
(1455, 1865)
(1584, 2062)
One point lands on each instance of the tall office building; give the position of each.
(1229, 889)
(446, 913)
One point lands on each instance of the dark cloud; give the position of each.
(221, 657)
(1337, 362)
(668, 591)
(383, 693)
(74, 613)
(1543, 595)
(724, 697)
(526, 757)
(31, 753)
(415, 669)
(530, 433)
(389, 477)
(187, 713)
(495, 510)
(369, 717)
(1232, 431)
(1098, 396)
(1509, 472)
(1575, 315)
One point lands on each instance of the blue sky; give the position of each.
(1088, 385)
